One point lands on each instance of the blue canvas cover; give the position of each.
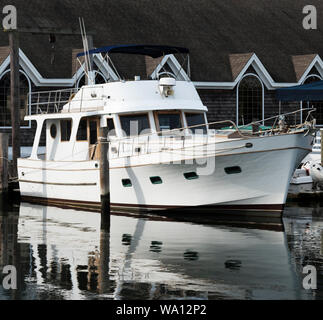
(306, 92)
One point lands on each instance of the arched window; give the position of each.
(99, 78)
(5, 99)
(250, 92)
(318, 105)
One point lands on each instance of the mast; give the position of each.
(88, 58)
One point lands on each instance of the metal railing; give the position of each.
(46, 102)
(180, 139)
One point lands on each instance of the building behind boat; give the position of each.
(240, 54)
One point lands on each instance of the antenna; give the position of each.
(88, 68)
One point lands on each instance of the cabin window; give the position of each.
(156, 180)
(169, 120)
(111, 127)
(82, 130)
(93, 132)
(133, 125)
(232, 170)
(66, 129)
(194, 119)
(53, 130)
(5, 102)
(191, 175)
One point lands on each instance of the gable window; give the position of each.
(169, 120)
(66, 129)
(250, 94)
(134, 124)
(194, 119)
(82, 130)
(99, 78)
(318, 105)
(5, 99)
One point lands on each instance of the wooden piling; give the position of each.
(321, 132)
(104, 173)
(15, 97)
(4, 139)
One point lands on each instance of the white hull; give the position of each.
(262, 184)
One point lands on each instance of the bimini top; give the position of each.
(306, 92)
(147, 50)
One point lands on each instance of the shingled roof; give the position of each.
(214, 31)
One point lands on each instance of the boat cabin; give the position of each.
(145, 109)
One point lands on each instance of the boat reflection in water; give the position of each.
(68, 254)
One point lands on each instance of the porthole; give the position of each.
(232, 170)
(126, 183)
(191, 175)
(156, 180)
(53, 130)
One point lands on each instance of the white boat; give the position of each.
(310, 176)
(301, 182)
(163, 154)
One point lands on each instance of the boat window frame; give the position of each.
(205, 125)
(60, 129)
(114, 127)
(156, 112)
(87, 138)
(124, 134)
(53, 125)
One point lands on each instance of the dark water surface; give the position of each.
(65, 254)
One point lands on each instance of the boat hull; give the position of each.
(261, 185)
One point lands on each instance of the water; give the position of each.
(66, 254)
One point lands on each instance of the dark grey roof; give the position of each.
(214, 31)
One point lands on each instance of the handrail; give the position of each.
(138, 145)
(56, 99)
(235, 127)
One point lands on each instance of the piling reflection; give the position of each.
(68, 254)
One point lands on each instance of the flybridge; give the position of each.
(119, 96)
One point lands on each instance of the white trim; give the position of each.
(316, 62)
(312, 75)
(174, 65)
(108, 72)
(262, 72)
(104, 67)
(29, 85)
(37, 79)
(262, 98)
(4, 65)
